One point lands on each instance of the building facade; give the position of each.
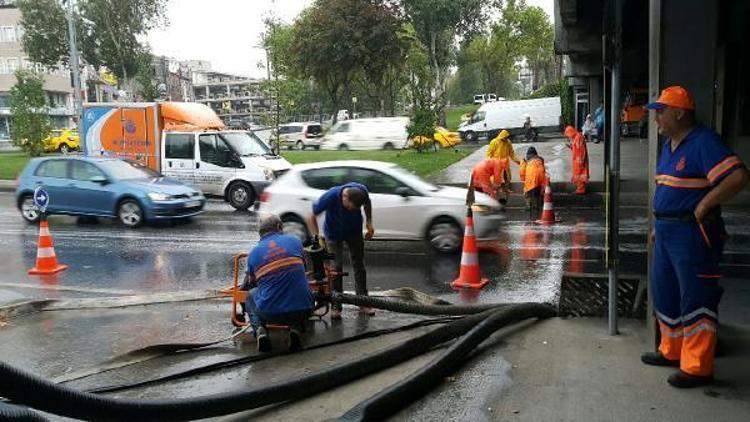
(234, 98)
(12, 57)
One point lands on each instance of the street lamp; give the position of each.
(74, 68)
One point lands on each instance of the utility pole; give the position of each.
(74, 68)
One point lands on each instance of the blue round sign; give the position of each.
(41, 198)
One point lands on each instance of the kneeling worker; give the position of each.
(279, 290)
(489, 177)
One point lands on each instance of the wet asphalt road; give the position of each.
(524, 262)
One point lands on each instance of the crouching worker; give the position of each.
(534, 177)
(489, 177)
(278, 289)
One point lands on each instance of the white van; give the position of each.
(362, 134)
(511, 115)
(234, 164)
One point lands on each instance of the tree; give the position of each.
(146, 88)
(28, 105)
(335, 40)
(108, 31)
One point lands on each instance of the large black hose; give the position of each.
(9, 412)
(413, 308)
(23, 387)
(401, 394)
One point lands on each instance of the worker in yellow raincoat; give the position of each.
(501, 148)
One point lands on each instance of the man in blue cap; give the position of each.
(696, 173)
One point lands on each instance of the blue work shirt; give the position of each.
(340, 223)
(278, 266)
(684, 176)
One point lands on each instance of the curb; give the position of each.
(7, 185)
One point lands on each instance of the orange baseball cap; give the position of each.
(673, 96)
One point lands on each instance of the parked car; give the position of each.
(62, 140)
(442, 137)
(105, 187)
(364, 134)
(404, 205)
(300, 135)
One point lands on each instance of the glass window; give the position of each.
(9, 34)
(478, 116)
(344, 127)
(180, 146)
(326, 178)
(314, 130)
(82, 170)
(53, 168)
(11, 64)
(376, 181)
(246, 144)
(207, 145)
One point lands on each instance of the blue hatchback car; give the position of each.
(105, 187)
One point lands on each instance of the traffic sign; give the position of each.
(41, 198)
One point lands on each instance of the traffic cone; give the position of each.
(46, 260)
(548, 210)
(469, 276)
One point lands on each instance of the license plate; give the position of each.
(191, 204)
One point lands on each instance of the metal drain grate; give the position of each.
(586, 295)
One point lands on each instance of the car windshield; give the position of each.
(413, 180)
(478, 116)
(125, 170)
(246, 144)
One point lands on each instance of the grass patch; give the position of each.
(11, 163)
(423, 164)
(453, 114)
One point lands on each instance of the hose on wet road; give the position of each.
(36, 392)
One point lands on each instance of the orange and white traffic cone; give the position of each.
(548, 210)
(469, 276)
(46, 260)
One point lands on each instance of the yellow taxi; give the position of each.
(63, 140)
(443, 137)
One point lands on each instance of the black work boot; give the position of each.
(264, 343)
(684, 380)
(295, 341)
(657, 359)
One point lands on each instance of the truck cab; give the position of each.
(235, 165)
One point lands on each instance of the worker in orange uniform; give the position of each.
(501, 148)
(488, 177)
(695, 174)
(580, 158)
(533, 176)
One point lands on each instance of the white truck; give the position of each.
(511, 115)
(185, 141)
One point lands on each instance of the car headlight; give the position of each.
(158, 196)
(268, 173)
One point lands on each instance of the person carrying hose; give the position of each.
(695, 174)
(579, 157)
(277, 284)
(501, 148)
(533, 176)
(343, 224)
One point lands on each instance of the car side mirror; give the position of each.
(99, 179)
(403, 191)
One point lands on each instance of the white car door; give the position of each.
(179, 157)
(214, 164)
(397, 209)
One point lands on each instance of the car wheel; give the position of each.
(294, 226)
(343, 147)
(29, 212)
(471, 137)
(445, 235)
(317, 147)
(300, 145)
(64, 148)
(130, 213)
(388, 146)
(240, 195)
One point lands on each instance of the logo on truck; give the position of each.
(129, 126)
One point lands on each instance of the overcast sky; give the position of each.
(227, 32)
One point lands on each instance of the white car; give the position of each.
(403, 205)
(300, 135)
(367, 134)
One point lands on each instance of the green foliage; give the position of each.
(334, 41)
(11, 164)
(551, 89)
(28, 105)
(421, 164)
(108, 31)
(421, 128)
(566, 101)
(144, 78)
(453, 115)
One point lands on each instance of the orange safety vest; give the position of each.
(533, 174)
(580, 157)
